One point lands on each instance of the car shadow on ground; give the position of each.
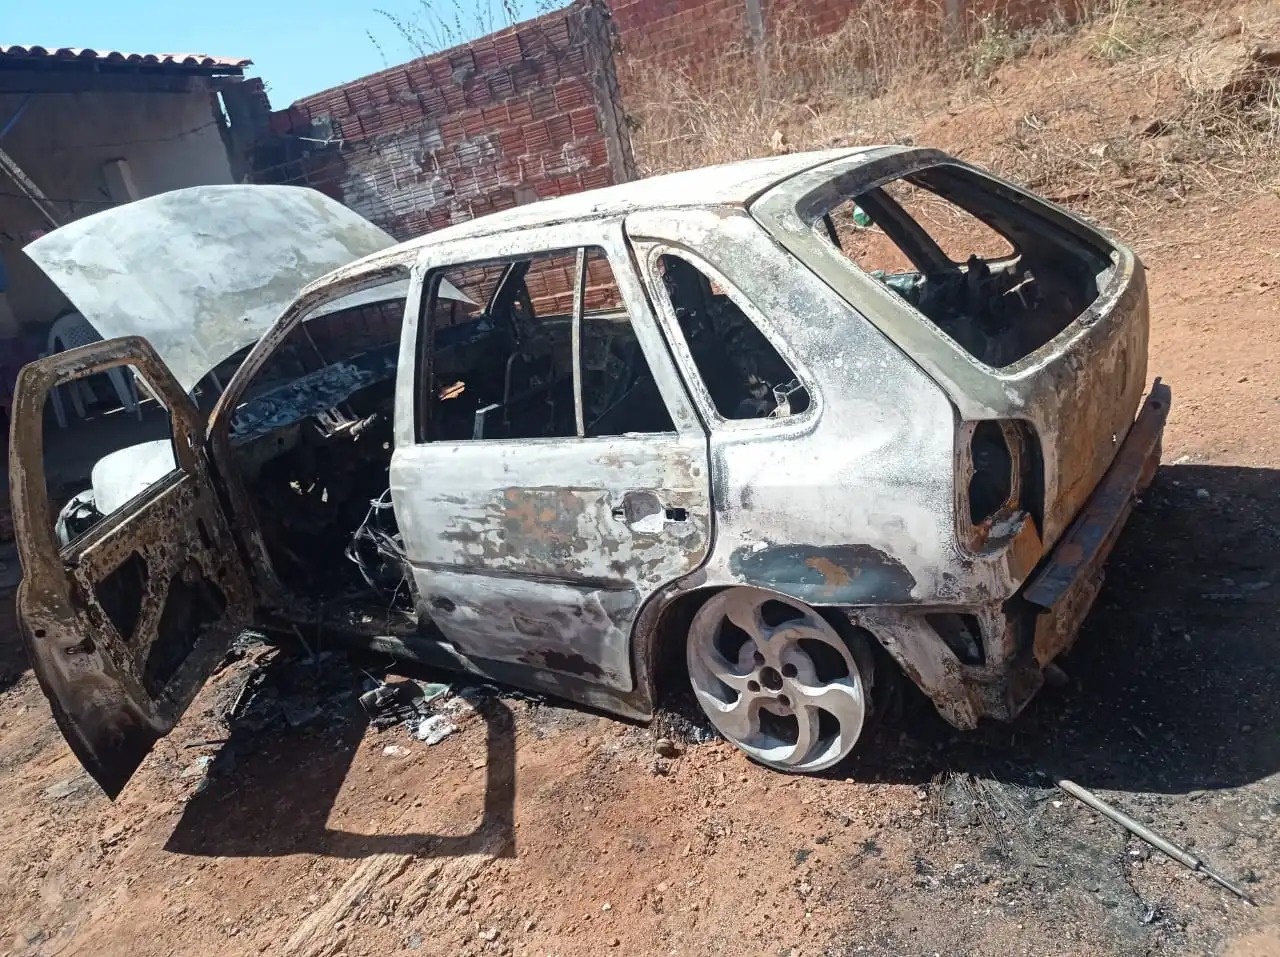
(1174, 687)
(272, 792)
(13, 657)
(1174, 683)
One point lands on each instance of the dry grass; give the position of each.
(1128, 112)
(996, 44)
(821, 91)
(889, 66)
(1210, 125)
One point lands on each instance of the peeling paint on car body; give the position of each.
(199, 296)
(558, 564)
(827, 575)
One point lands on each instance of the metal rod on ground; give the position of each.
(1185, 858)
(307, 647)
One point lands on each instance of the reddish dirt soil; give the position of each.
(541, 830)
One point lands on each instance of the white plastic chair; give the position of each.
(68, 332)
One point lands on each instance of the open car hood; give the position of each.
(202, 272)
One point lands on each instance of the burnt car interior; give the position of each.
(506, 372)
(744, 374)
(313, 433)
(312, 437)
(984, 268)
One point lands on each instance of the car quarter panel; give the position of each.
(850, 502)
(1079, 392)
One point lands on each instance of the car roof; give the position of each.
(728, 184)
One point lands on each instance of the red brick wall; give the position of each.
(819, 17)
(678, 30)
(519, 115)
(530, 112)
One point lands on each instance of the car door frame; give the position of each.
(382, 269)
(629, 692)
(95, 677)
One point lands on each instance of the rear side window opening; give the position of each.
(989, 272)
(743, 373)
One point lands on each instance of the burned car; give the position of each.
(805, 424)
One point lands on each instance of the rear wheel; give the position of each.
(777, 680)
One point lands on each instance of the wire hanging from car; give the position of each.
(377, 551)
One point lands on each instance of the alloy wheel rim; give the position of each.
(775, 678)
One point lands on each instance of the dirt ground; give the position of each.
(536, 829)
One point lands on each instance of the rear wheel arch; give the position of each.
(659, 635)
(662, 634)
(662, 628)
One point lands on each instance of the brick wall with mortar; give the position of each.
(529, 112)
(526, 113)
(667, 32)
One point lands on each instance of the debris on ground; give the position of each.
(683, 723)
(1167, 847)
(199, 767)
(393, 703)
(434, 729)
(69, 787)
(666, 748)
(294, 690)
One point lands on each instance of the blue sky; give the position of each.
(297, 46)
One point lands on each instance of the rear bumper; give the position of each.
(1068, 581)
(1023, 634)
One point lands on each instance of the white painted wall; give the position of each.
(66, 143)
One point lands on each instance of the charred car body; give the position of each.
(806, 421)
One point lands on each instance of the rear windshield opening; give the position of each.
(989, 272)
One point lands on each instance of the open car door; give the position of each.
(125, 623)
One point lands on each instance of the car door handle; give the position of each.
(643, 508)
(671, 514)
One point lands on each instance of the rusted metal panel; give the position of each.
(1069, 582)
(593, 526)
(568, 627)
(124, 625)
(524, 550)
(1080, 391)
(1109, 506)
(827, 574)
(850, 501)
(1065, 588)
(926, 661)
(856, 501)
